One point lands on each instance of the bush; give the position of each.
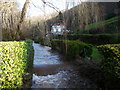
(96, 56)
(30, 53)
(71, 49)
(111, 62)
(96, 39)
(16, 57)
(36, 39)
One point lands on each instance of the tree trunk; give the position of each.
(22, 17)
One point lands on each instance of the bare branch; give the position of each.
(50, 5)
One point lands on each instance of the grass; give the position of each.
(104, 22)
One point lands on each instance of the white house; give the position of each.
(58, 29)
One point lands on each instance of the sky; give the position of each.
(36, 6)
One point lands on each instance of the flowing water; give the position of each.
(51, 72)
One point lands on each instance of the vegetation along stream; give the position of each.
(52, 72)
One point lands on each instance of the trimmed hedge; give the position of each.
(111, 62)
(95, 39)
(71, 49)
(16, 57)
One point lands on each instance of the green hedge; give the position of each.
(111, 61)
(95, 39)
(71, 49)
(16, 57)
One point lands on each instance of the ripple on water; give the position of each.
(62, 79)
(51, 81)
(43, 56)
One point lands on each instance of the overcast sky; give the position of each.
(36, 6)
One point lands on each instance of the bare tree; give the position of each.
(9, 16)
(22, 17)
(89, 12)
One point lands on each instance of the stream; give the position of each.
(51, 72)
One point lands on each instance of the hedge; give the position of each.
(71, 49)
(16, 57)
(95, 39)
(111, 61)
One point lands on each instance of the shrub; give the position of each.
(111, 62)
(30, 53)
(72, 48)
(96, 56)
(57, 44)
(96, 39)
(15, 59)
(36, 39)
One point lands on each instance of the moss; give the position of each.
(16, 57)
